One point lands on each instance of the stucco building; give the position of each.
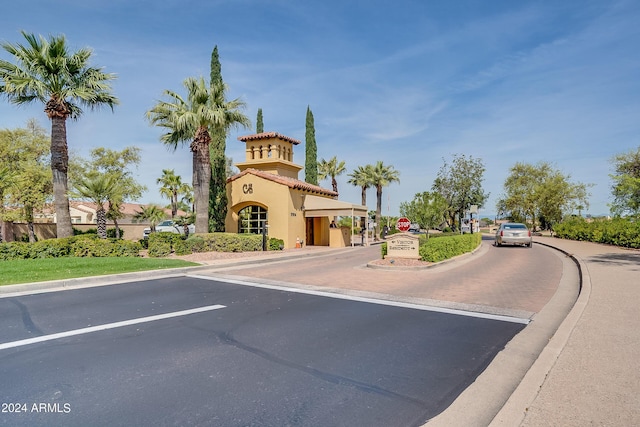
(267, 191)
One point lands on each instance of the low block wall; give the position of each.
(15, 231)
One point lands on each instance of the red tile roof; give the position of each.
(267, 135)
(284, 180)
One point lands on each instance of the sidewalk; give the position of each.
(589, 374)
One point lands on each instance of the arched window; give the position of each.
(251, 219)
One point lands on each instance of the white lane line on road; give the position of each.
(437, 309)
(106, 326)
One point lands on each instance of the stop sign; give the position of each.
(403, 224)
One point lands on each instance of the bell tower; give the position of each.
(270, 152)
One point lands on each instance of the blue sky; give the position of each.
(407, 82)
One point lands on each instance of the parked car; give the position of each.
(513, 233)
(414, 227)
(169, 226)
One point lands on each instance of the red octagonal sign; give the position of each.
(403, 224)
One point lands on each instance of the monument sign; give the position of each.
(403, 245)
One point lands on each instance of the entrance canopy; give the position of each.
(315, 206)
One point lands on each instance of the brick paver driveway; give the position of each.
(509, 278)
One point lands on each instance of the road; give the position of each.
(508, 279)
(254, 356)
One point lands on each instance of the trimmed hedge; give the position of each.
(86, 245)
(275, 244)
(162, 244)
(624, 232)
(442, 248)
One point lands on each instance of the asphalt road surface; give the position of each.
(193, 351)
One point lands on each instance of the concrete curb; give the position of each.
(115, 279)
(501, 394)
(514, 410)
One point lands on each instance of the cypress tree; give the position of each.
(218, 182)
(259, 123)
(311, 151)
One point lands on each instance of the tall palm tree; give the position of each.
(361, 177)
(381, 176)
(98, 188)
(172, 188)
(331, 168)
(45, 71)
(188, 120)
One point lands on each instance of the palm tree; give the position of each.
(115, 200)
(98, 188)
(189, 120)
(381, 176)
(152, 213)
(331, 168)
(46, 71)
(361, 177)
(184, 221)
(172, 188)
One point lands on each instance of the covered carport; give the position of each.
(320, 211)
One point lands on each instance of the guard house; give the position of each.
(267, 191)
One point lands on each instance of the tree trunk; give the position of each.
(201, 177)
(378, 210)
(363, 221)
(174, 205)
(115, 224)
(32, 233)
(59, 167)
(101, 219)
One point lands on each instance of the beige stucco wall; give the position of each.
(283, 205)
(340, 237)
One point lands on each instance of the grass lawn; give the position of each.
(40, 270)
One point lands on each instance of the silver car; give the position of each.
(513, 233)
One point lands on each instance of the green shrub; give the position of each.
(623, 232)
(162, 244)
(383, 249)
(111, 233)
(231, 242)
(78, 232)
(275, 244)
(442, 248)
(181, 247)
(86, 245)
(92, 246)
(14, 250)
(24, 238)
(196, 243)
(52, 248)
